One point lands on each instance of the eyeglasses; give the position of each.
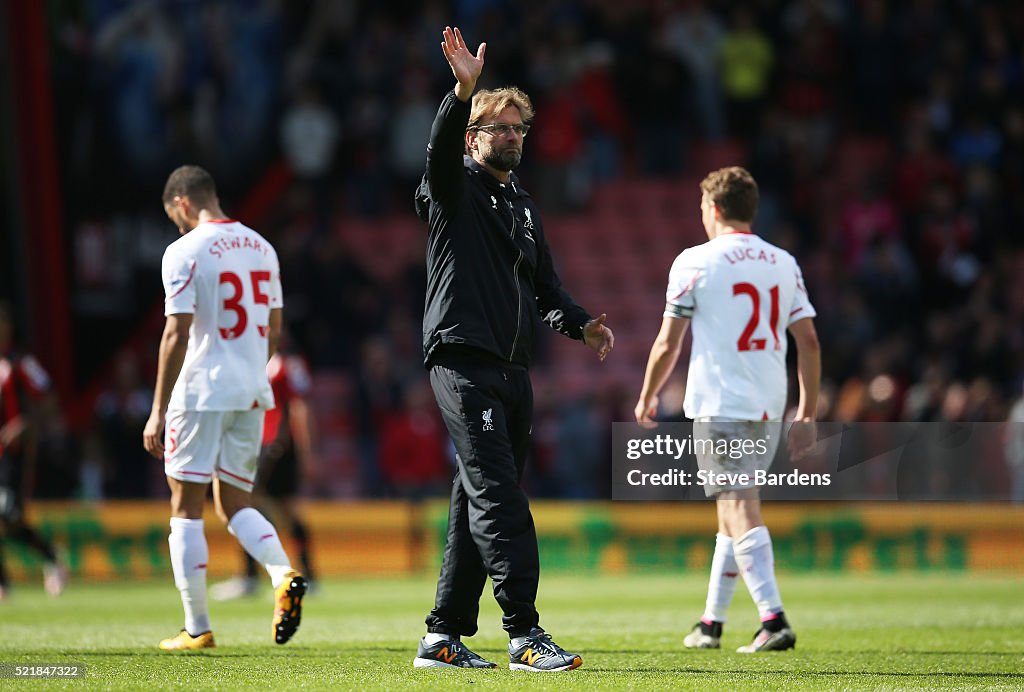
(503, 129)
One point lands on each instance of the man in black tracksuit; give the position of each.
(489, 275)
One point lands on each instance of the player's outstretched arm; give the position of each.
(803, 434)
(664, 354)
(465, 66)
(173, 345)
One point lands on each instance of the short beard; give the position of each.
(503, 161)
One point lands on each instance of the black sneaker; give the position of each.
(539, 653)
(764, 640)
(448, 653)
(704, 636)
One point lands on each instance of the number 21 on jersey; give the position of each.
(747, 342)
(233, 303)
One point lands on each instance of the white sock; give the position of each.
(189, 555)
(259, 538)
(431, 638)
(722, 584)
(753, 552)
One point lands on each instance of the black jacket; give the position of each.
(489, 268)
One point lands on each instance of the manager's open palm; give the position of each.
(465, 66)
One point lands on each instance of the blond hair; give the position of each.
(489, 102)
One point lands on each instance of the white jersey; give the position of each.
(741, 293)
(227, 276)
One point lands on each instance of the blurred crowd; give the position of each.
(887, 138)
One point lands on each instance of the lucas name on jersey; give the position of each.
(748, 254)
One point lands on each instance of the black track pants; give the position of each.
(488, 412)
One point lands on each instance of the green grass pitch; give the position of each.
(874, 631)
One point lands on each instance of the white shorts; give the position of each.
(198, 444)
(739, 447)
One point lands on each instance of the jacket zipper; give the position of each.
(519, 293)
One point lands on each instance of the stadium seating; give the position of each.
(615, 258)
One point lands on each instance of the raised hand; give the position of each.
(465, 66)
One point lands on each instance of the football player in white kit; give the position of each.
(741, 293)
(224, 313)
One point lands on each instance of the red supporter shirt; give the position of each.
(20, 376)
(290, 379)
